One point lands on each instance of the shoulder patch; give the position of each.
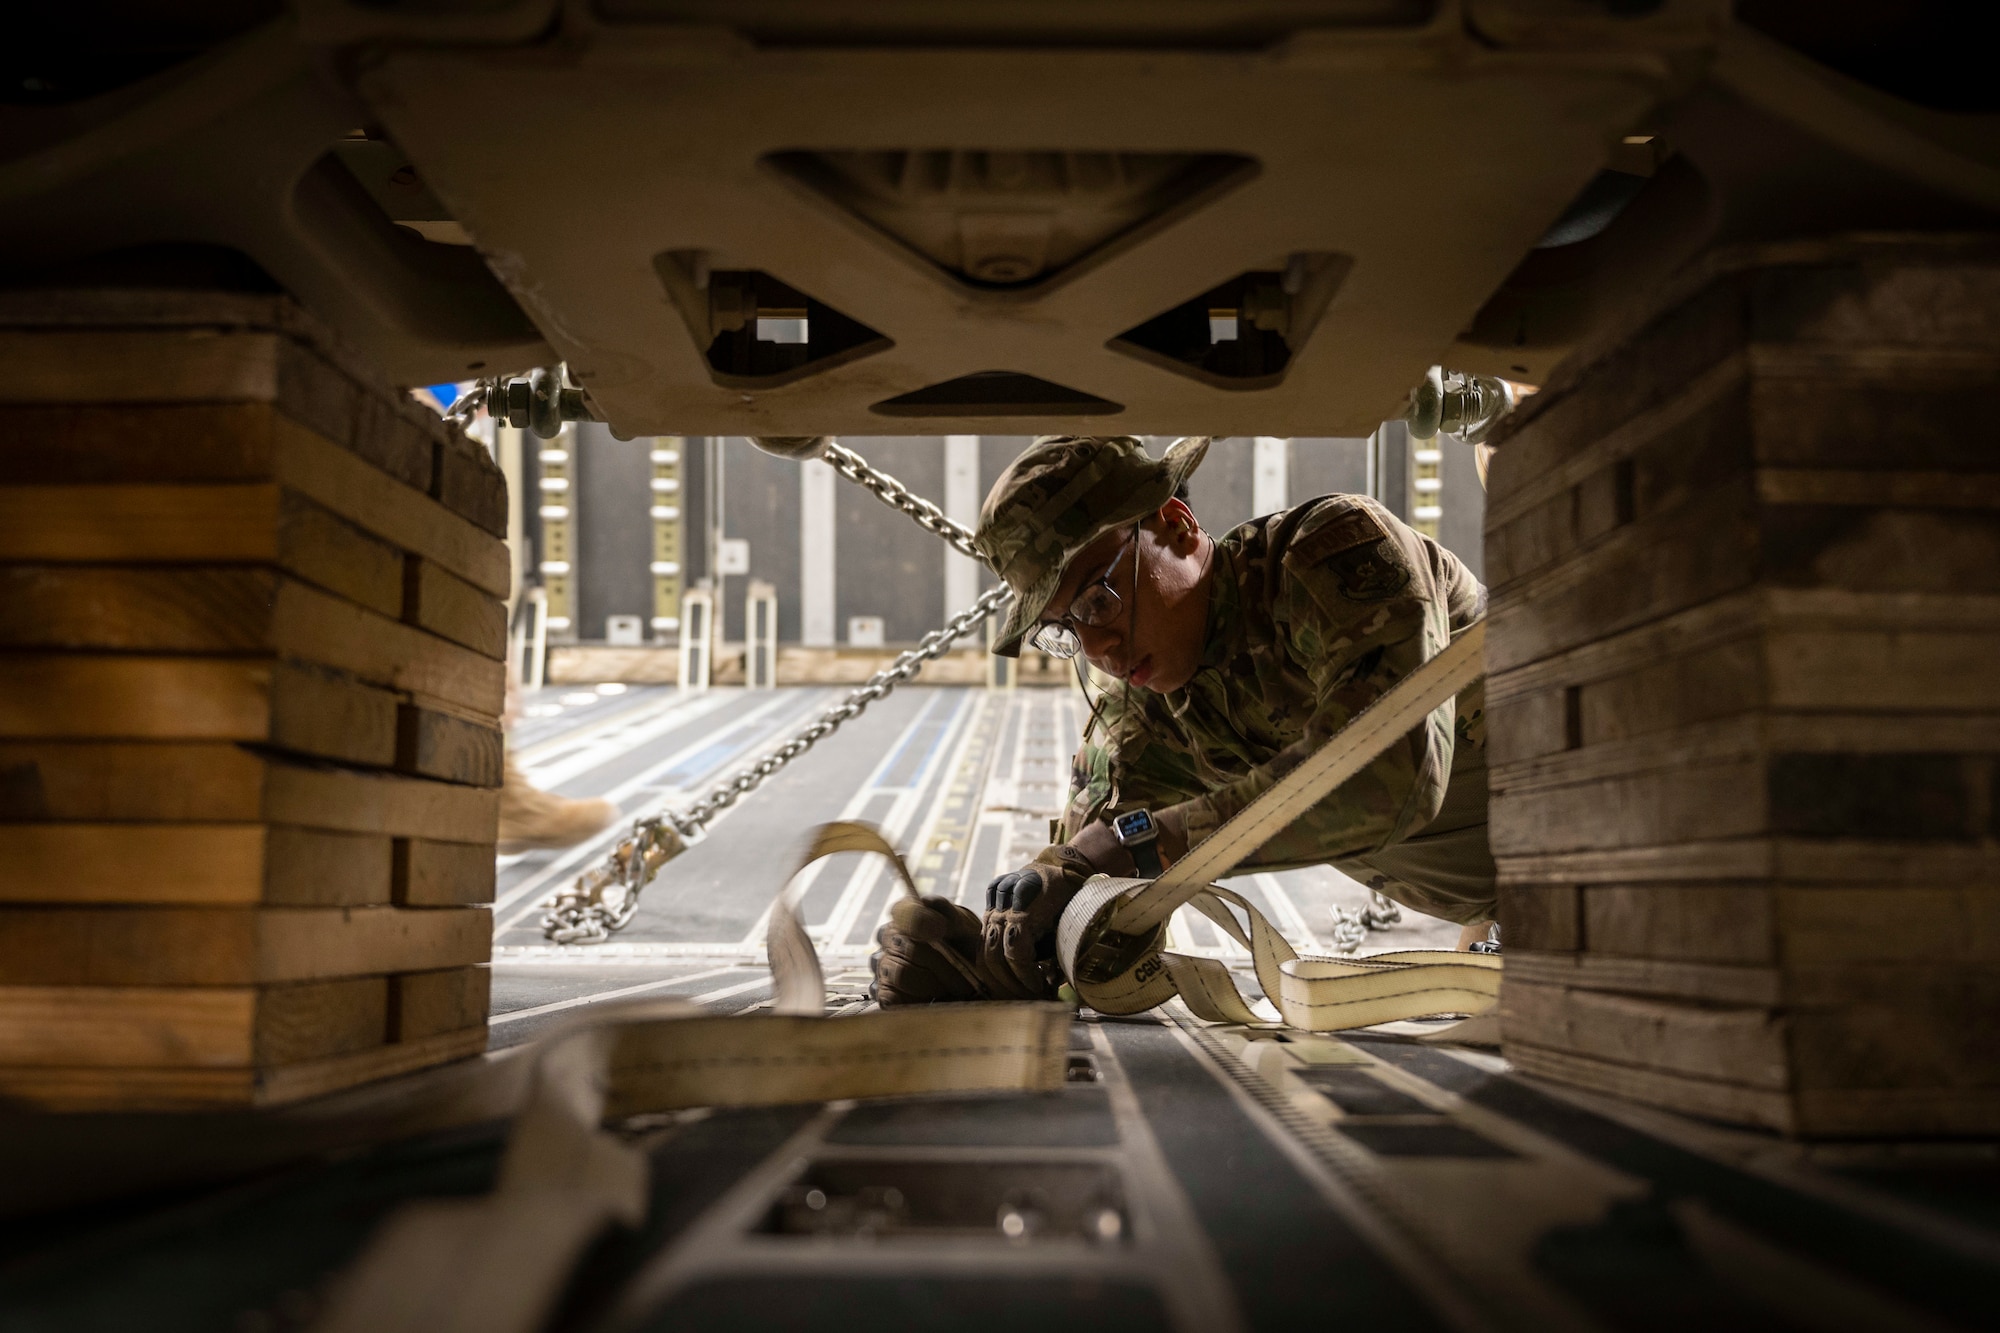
(1372, 573)
(1337, 527)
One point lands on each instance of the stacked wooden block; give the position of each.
(1745, 698)
(251, 671)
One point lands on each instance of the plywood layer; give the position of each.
(177, 1088)
(251, 628)
(233, 946)
(1743, 724)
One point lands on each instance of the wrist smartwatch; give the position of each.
(1139, 835)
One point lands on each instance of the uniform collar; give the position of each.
(1225, 606)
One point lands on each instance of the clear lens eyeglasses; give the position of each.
(1097, 605)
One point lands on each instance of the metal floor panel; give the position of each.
(1198, 1179)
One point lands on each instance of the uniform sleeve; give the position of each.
(1150, 771)
(1356, 599)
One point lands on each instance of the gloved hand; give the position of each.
(1022, 909)
(929, 952)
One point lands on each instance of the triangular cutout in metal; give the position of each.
(1243, 333)
(996, 393)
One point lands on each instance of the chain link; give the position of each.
(898, 496)
(1351, 927)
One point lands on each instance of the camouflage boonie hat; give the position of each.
(1058, 497)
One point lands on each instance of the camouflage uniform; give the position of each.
(1314, 613)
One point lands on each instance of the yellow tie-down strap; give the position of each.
(498, 1264)
(1314, 994)
(1110, 940)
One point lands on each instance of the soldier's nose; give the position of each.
(1097, 640)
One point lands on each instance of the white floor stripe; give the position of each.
(896, 828)
(613, 743)
(895, 825)
(640, 989)
(635, 713)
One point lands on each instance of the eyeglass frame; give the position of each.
(1069, 620)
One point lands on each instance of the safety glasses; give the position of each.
(1097, 605)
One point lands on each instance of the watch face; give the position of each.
(1135, 824)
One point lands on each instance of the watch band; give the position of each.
(1146, 856)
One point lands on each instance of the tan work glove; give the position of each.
(929, 953)
(1017, 953)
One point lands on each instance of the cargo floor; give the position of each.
(1190, 1178)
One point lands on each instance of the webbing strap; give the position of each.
(497, 1264)
(1110, 939)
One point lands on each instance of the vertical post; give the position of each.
(669, 500)
(1426, 485)
(816, 555)
(717, 524)
(961, 505)
(1389, 459)
(760, 636)
(508, 451)
(697, 638)
(558, 513)
(1270, 475)
(538, 638)
(1001, 672)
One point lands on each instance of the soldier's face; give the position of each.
(1155, 640)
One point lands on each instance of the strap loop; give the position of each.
(1110, 939)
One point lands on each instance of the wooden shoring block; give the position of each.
(1922, 797)
(1802, 860)
(205, 355)
(310, 710)
(1714, 1099)
(1791, 926)
(1880, 1026)
(430, 873)
(236, 610)
(251, 519)
(153, 1088)
(1851, 1113)
(248, 522)
(1717, 799)
(1743, 1045)
(1894, 1025)
(1640, 572)
(218, 782)
(192, 863)
(1685, 447)
(233, 946)
(426, 1004)
(192, 1027)
(448, 606)
(1906, 324)
(1744, 728)
(1709, 983)
(447, 745)
(1821, 650)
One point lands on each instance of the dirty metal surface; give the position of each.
(1187, 1178)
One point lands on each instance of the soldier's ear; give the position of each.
(1179, 522)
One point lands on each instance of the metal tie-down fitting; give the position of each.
(1468, 406)
(539, 402)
